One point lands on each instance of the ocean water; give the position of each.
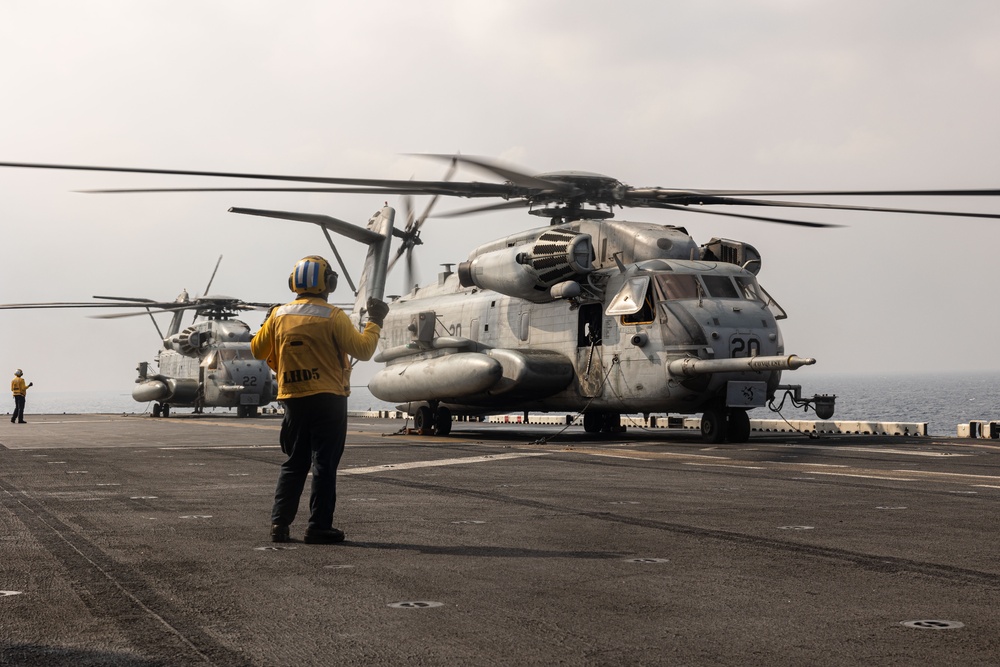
(941, 400)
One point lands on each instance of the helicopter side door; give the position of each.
(589, 348)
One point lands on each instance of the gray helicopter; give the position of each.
(586, 314)
(205, 364)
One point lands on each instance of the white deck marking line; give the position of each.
(648, 456)
(619, 456)
(810, 465)
(392, 467)
(189, 447)
(948, 474)
(986, 486)
(723, 465)
(848, 474)
(878, 451)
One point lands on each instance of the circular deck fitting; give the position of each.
(796, 527)
(337, 567)
(933, 625)
(647, 560)
(624, 502)
(142, 498)
(416, 604)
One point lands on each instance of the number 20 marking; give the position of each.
(744, 347)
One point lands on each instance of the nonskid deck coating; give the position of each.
(141, 541)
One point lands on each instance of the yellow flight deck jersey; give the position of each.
(19, 387)
(296, 342)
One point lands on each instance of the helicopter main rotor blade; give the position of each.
(82, 304)
(668, 194)
(126, 298)
(212, 279)
(840, 207)
(502, 206)
(783, 221)
(504, 171)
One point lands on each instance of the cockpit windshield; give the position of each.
(720, 286)
(678, 285)
(715, 285)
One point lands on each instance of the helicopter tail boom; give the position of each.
(691, 367)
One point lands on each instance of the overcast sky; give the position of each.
(845, 94)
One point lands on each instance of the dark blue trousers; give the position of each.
(18, 409)
(313, 434)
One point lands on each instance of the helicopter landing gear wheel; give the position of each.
(423, 420)
(738, 426)
(592, 422)
(165, 411)
(612, 423)
(442, 421)
(713, 426)
(156, 409)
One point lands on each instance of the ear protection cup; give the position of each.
(312, 275)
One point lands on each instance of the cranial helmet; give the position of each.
(18, 372)
(312, 275)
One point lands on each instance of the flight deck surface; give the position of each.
(134, 541)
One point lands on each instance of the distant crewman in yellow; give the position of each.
(20, 390)
(307, 343)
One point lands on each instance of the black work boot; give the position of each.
(324, 536)
(279, 533)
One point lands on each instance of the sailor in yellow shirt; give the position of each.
(307, 343)
(20, 390)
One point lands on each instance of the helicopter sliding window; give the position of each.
(631, 298)
(720, 287)
(678, 285)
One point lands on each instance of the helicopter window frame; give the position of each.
(749, 288)
(631, 298)
(773, 306)
(679, 286)
(646, 314)
(721, 286)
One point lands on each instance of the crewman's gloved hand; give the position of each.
(377, 310)
(31, 384)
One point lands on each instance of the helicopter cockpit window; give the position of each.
(772, 305)
(749, 288)
(720, 287)
(631, 298)
(678, 285)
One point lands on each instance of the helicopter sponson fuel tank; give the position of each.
(167, 390)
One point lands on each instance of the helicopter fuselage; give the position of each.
(208, 364)
(603, 317)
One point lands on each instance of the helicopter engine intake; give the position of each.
(529, 271)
